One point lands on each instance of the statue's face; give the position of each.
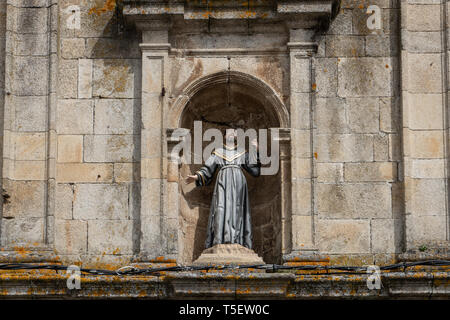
(230, 135)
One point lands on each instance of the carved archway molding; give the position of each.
(176, 112)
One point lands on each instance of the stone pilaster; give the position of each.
(425, 130)
(29, 128)
(301, 48)
(154, 218)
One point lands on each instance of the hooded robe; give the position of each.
(229, 218)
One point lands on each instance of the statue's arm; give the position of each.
(206, 173)
(252, 164)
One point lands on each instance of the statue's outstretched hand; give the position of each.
(190, 179)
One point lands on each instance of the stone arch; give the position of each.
(236, 77)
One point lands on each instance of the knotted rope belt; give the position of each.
(230, 166)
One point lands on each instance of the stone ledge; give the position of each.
(28, 255)
(214, 285)
(440, 252)
(233, 254)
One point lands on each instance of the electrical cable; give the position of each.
(131, 270)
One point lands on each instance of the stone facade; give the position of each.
(88, 111)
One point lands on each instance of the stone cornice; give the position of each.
(213, 285)
(295, 13)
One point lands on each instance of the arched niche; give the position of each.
(244, 101)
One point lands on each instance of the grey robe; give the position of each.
(229, 217)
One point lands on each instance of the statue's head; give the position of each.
(230, 135)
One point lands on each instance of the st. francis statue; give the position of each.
(229, 217)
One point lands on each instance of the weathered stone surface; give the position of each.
(381, 147)
(151, 235)
(84, 172)
(116, 78)
(31, 20)
(64, 201)
(330, 172)
(330, 115)
(72, 236)
(427, 196)
(424, 73)
(344, 46)
(361, 200)
(426, 144)
(74, 117)
(301, 65)
(70, 148)
(29, 146)
(31, 44)
(343, 236)
(371, 171)
(72, 48)
(30, 76)
(126, 172)
(326, 77)
(395, 148)
(103, 48)
(301, 232)
(301, 149)
(342, 24)
(228, 254)
(29, 170)
(390, 120)
(110, 148)
(95, 20)
(422, 42)
(187, 69)
(363, 115)
(344, 147)
(300, 105)
(110, 236)
(68, 79)
(425, 111)
(151, 168)
(114, 116)
(269, 69)
(351, 4)
(358, 77)
(301, 168)
(382, 46)
(30, 113)
(427, 168)
(26, 199)
(385, 235)
(22, 231)
(422, 230)
(100, 201)
(424, 17)
(85, 70)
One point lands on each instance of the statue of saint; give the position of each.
(229, 218)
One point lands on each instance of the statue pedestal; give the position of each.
(228, 254)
